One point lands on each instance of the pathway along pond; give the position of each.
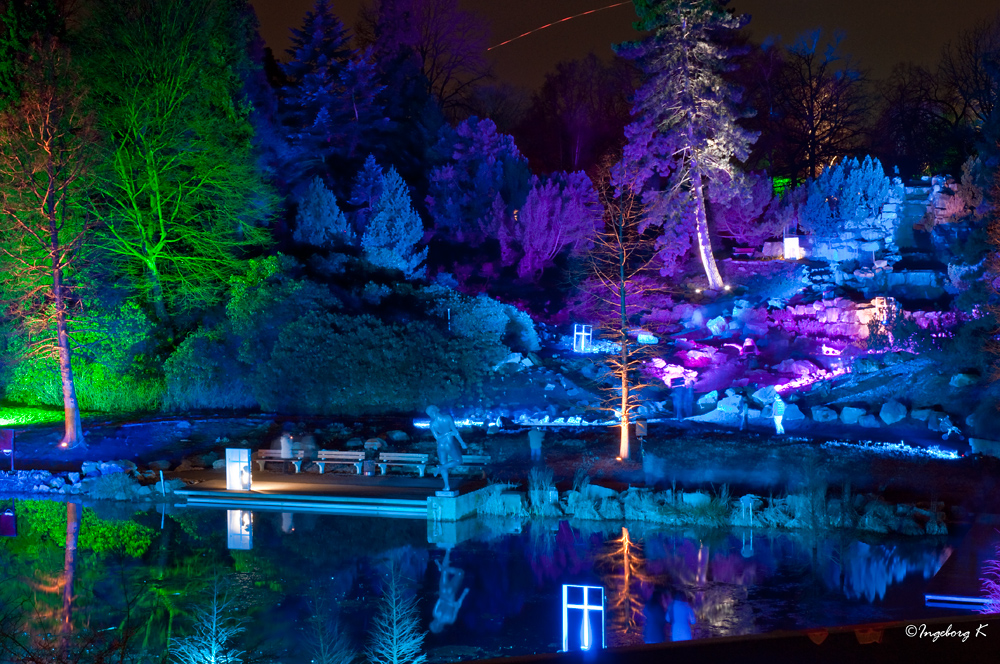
(306, 574)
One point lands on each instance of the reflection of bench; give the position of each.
(274, 456)
(386, 459)
(324, 457)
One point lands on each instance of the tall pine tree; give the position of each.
(394, 229)
(685, 125)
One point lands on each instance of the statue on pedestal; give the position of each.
(448, 440)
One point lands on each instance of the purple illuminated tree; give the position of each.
(741, 205)
(685, 130)
(560, 213)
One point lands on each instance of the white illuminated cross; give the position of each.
(586, 633)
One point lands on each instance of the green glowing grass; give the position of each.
(25, 415)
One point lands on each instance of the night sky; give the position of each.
(878, 32)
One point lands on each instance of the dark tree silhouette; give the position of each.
(447, 42)
(823, 107)
(579, 115)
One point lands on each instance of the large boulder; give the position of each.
(764, 395)
(868, 421)
(708, 401)
(850, 415)
(963, 380)
(892, 411)
(823, 414)
(921, 414)
(793, 413)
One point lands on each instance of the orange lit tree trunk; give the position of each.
(44, 145)
(73, 512)
(617, 265)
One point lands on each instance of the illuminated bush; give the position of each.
(205, 372)
(289, 345)
(110, 366)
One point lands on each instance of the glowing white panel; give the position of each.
(582, 337)
(582, 617)
(239, 529)
(237, 470)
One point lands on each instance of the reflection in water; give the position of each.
(446, 609)
(69, 566)
(492, 595)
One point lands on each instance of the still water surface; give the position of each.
(490, 588)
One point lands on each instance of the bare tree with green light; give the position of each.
(45, 142)
(179, 194)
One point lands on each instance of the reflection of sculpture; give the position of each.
(446, 610)
(778, 412)
(448, 440)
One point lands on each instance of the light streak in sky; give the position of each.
(562, 20)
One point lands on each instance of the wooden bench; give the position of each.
(386, 459)
(324, 457)
(274, 456)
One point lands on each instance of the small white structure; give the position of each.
(582, 617)
(792, 251)
(239, 529)
(237, 469)
(582, 337)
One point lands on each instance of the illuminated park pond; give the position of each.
(493, 590)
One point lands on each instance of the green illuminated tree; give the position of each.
(685, 125)
(179, 193)
(45, 144)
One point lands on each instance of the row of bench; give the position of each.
(385, 459)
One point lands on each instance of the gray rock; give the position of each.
(921, 414)
(869, 421)
(111, 467)
(793, 413)
(708, 400)
(823, 414)
(892, 411)
(764, 395)
(57, 483)
(160, 464)
(963, 380)
(182, 424)
(851, 415)
(397, 436)
(89, 468)
(865, 365)
(354, 442)
(219, 464)
(144, 491)
(73, 477)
